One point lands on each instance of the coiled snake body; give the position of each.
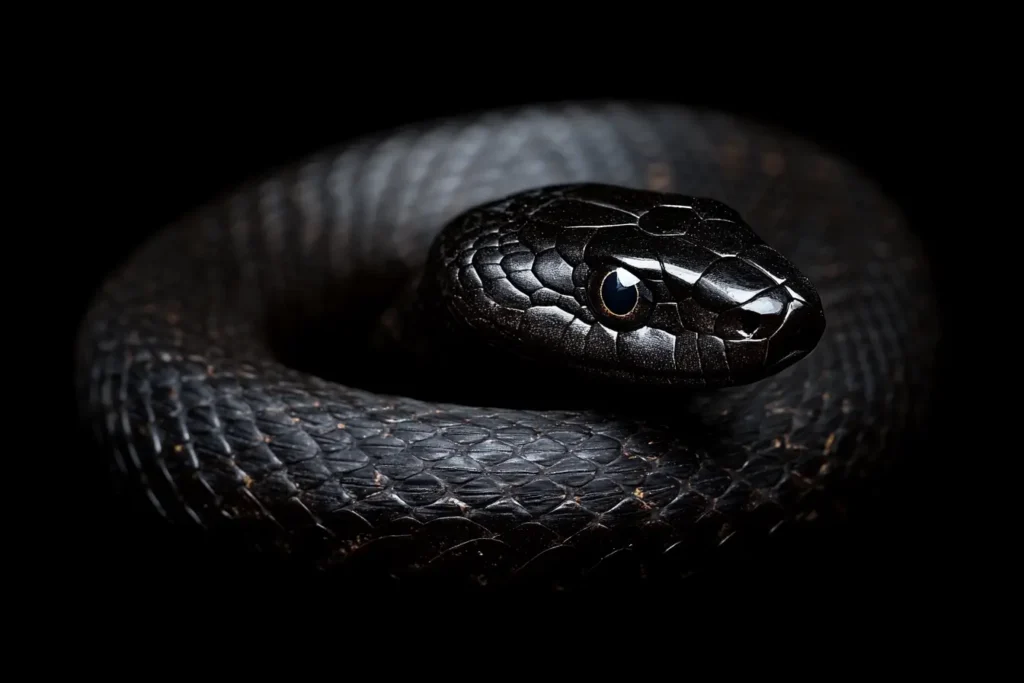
(600, 364)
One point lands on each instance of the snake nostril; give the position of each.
(749, 322)
(738, 324)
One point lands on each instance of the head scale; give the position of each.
(627, 284)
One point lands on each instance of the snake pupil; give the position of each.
(619, 292)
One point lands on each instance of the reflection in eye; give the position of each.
(619, 292)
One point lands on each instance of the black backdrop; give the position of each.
(177, 146)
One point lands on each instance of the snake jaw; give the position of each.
(627, 285)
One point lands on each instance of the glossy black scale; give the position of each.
(220, 378)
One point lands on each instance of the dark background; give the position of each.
(178, 144)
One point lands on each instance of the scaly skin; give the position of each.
(196, 360)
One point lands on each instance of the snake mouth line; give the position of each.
(790, 358)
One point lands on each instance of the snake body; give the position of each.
(775, 346)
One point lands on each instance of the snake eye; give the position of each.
(619, 292)
(621, 299)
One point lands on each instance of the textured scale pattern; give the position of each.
(519, 268)
(180, 381)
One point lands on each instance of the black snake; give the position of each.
(601, 367)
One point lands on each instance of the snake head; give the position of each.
(628, 284)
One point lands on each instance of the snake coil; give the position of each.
(762, 300)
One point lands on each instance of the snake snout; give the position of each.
(772, 330)
(799, 333)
